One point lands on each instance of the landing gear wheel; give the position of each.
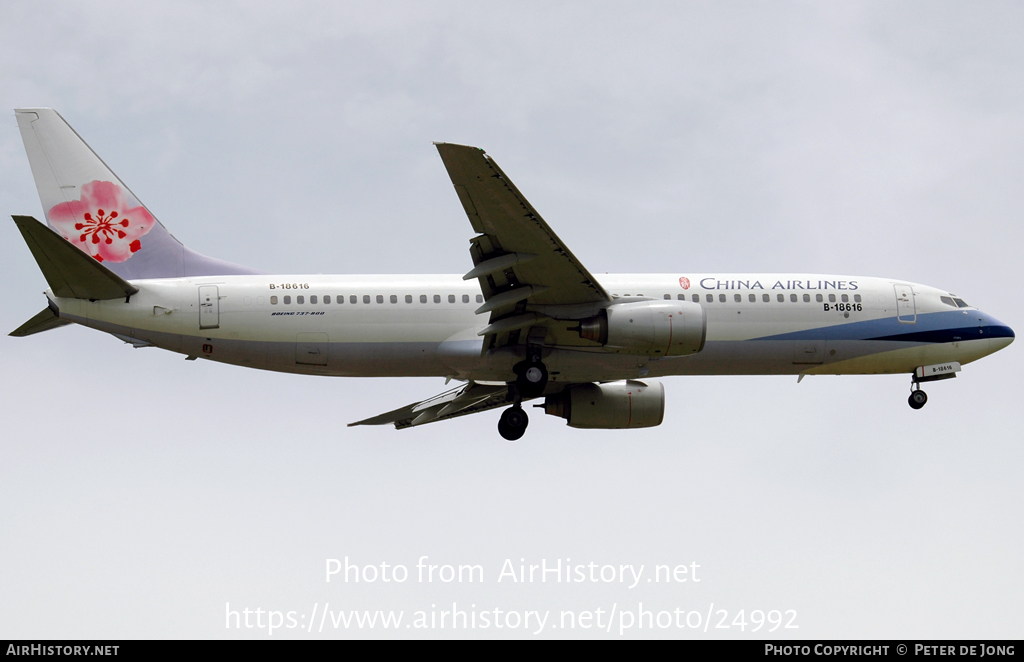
(917, 399)
(531, 378)
(512, 424)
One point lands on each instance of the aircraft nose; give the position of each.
(999, 335)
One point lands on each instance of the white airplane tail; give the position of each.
(86, 203)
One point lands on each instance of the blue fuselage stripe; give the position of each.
(941, 327)
(951, 335)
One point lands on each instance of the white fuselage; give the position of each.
(426, 325)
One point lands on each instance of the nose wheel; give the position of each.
(513, 422)
(917, 399)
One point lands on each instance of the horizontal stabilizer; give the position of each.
(44, 321)
(70, 272)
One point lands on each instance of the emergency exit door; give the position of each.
(209, 307)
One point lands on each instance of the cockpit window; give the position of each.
(948, 301)
(961, 303)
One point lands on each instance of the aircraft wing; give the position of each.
(469, 398)
(518, 259)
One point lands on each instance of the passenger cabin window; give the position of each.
(807, 298)
(437, 298)
(856, 297)
(792, 298)
(465, 298)
(845, 298)
(948, 301)
(451, 298)
(752, 298)
(681, 297)
(479, 298)
(667, 296)
(737, 298)
(327, 298)
(394, 298)
(819, 298)
(831, 298)
(353, 299)
(766, 298)
(721, 298)
(696, 298)
(312, 299)
(782, 298)
(366, 298)
(300, 299)
(423, 298)
(408, 298)
(273, 301)
(287, 300)
(711, 298)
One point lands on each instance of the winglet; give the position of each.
(70, 272)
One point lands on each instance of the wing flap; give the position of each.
(460, 401)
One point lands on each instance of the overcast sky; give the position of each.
(139, 493)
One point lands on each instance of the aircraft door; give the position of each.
(311, 349)
(906, 307)
(209, 307)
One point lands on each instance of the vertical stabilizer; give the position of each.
(86, 203)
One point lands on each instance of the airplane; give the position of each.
(528, 321)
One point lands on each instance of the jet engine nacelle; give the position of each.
(613, 406)
(650, 328)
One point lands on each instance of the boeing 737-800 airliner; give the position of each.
(527, 321)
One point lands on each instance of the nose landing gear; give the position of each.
(929, 373)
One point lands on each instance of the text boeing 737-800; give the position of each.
(527, 321)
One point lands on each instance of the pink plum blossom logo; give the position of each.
(684, 283)
(102, 223)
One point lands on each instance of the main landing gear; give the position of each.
(531, 380)
(513, 422)
(531, 377)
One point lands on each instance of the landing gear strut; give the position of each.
(513, 422)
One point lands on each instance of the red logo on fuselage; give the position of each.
(684, 283)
